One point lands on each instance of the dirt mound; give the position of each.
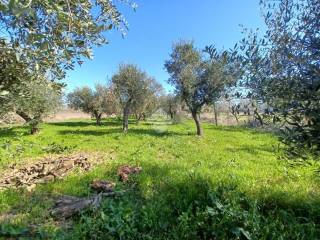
(102, 186)
(48, 169)
(125, 170)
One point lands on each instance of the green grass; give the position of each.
(228, 184)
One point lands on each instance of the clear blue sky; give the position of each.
(156, 25)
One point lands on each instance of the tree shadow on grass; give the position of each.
(236, 129)
(98, 132)
(87, 123)
(155, 133)
(254, 149)
(16, 131)
(165, 199)
(163, 196)
(156, 123)
(131, 132)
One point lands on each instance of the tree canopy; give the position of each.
(282, 68)
(96, 102)
(133, 88)
(57, 34)
(198, 80)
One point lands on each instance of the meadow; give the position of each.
(231, 183)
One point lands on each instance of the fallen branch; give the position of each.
(67, 206)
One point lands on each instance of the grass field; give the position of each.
(229, 184)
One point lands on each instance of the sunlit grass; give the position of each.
(178, 168)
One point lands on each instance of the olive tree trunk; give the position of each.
(24, 115)
(99, 119)
(125, 119)
(235, 116)
(139, 117)
(97, 116)
(34, 124)
(215, 114)
(258, 117)
(196, 119)
(34, 129)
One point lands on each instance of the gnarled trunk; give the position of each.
(34, 129)
(139, 117)
(258, 116)
(215, 114)
(97, 116)
(171, 115)
(24, 115)
(125, 119)
(34, 124)
(235, 116)
(196, 119)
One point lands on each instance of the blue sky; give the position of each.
(156, 25)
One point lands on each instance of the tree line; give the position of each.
(130, 92)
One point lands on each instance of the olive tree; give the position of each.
(283, 69)
(37, 100)
(132, 87)
(22, 91)
(198, 80)
(51, 36)
(45, 38)
(12, 72)
(150, 103)
(13, 77)
(93, 101)
(170, 104)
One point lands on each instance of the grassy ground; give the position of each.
(228, 184)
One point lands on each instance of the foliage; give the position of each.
(57, 34)
(36, 100)
(12, 72)
(283, 69)
(136, 91)
(95, 102)
(43, 39)
(14, 76)
(198, 81)
(170, 104)
(150, 102)
(57, 148)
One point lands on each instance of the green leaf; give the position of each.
(3, 7)
(4, 93)
(238, 231)
(11, 4)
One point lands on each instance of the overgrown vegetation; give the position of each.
(228, 184)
